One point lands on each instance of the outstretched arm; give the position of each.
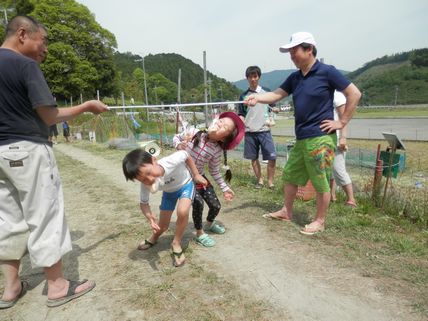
(56, 115)
(266, 98)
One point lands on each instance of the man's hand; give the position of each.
(330, 126)
(251, 100)
(96, 107)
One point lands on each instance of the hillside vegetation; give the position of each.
(162, 78)
(394, 80)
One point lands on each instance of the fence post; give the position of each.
(377, 176)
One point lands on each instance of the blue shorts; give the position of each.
(256, 141)
(169, 200)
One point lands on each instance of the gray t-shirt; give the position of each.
(256, 117)
(23, 88)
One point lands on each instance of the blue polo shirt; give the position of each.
(313, 97)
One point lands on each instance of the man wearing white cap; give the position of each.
(312, 87)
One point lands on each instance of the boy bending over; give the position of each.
(170, 175)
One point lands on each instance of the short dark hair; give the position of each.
(307, 46)
(133, 161)
(31, 24)
(253, 70)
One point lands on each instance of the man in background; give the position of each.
(258, 120)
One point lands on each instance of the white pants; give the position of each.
(340, 174)
(31, 205)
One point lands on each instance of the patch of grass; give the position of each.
(381, 243)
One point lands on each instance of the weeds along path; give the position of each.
(259, 275)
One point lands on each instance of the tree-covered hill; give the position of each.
(192, 75)
(394, 80)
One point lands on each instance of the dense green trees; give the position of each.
(79, 49)
(163, 77)
(80, 59)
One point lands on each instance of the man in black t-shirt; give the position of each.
(28, 171)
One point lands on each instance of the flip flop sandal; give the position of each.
(9, 304)
(71, 293)
(309, 230)
(205, 240)
(351, 204)
(271, 217)
(177, 255)
(147, 244)
(217, 228)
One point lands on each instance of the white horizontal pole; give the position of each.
(177, 105)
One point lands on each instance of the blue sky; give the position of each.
(236, 34)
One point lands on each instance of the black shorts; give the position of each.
(53, 130)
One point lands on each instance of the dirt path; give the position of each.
(288, 275)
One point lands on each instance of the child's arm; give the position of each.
(145, 208)
(214, 169)
(180, 141)
(198, 178)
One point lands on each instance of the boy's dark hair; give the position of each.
(306, 47)
(31, 24)
(197, 138)
(253, 70)
(133, 161)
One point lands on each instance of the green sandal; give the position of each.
(217, 228)
(205, 240)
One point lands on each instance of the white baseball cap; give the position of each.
(297, 39)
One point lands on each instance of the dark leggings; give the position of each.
(208, 195)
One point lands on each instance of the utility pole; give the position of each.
(205, 89)
(179, 87)
(145, 84)
(209, 88)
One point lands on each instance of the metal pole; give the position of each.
(145, 88)
(145, 84)
(209, 88)
(205, 89)
(179, 87)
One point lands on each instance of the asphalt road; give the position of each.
(405, 128)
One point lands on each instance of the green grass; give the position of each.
(381, 243)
